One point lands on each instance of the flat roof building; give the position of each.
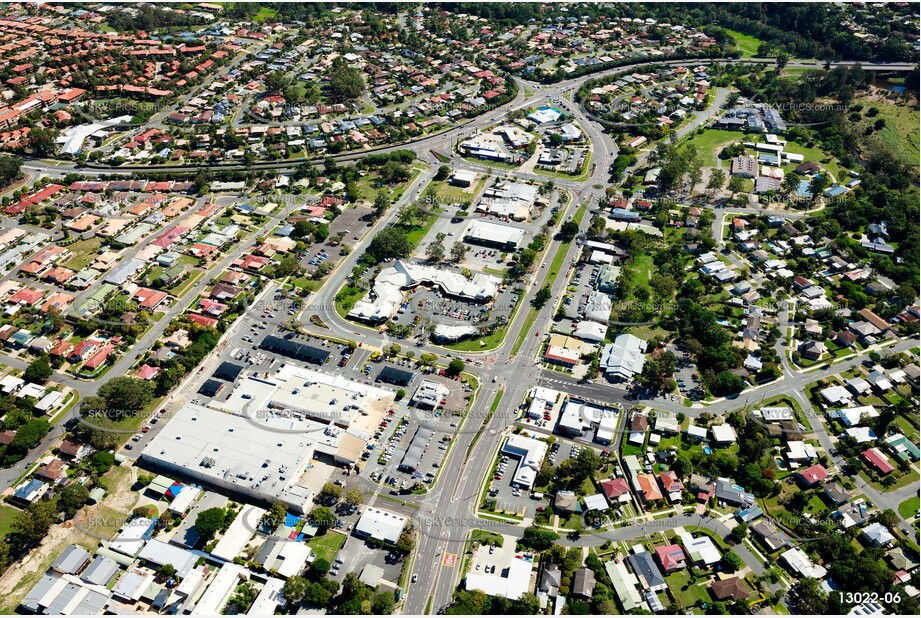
(489, 234)
(380, 525)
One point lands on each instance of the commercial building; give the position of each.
(623, 359)
(380, 525)
(239, 455)
(577, 417)
(511, 200)
(530, 453)
(386, 295)
(511, 582)
(495, 235)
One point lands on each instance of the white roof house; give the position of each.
(214, 599)
(236, 454)
(702, 549)
(801, 563)
(851, 417)
(598, 307)
(160, 553)
(723, 434)
(590, 331)
(381, 525)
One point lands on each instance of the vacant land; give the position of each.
(901, 131)
(748, 45)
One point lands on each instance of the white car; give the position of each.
(415, 578)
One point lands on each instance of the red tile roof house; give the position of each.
(62, 348)
(671, 484)
(614, 489)
(211, 307)
(26, 296)
(203, 320)
(100, 357)
(879, 461)
(671, 557)
(52, 471)
(148, 299)
(148, 372)
(812, 476)
(649, 487)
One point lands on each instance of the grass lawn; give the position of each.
(327, 546)
(7, 515)
(819, 156)
(84, 252)
(525, 329)
(747, 45)
(265, 14)
(445, 193)
(484, 537)
(909, 508)
(711, 141)
(688, 594)
(901, 131)
(346, 298)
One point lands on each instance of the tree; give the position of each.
(209, 522)
(294, 589)
(731, 562)
(322, 518)
(275, 516)
(458, 251)
(320, 566)
(806, 598)
(381, 204)
(736, 185)
(167, 570)
(435, 251)
(443, 172)
(32, 525)
(319, 594)
(127, 394)
(390, 243)
(354, 497)
(10, 166)
(818, 184)
(569, 230)
(42, 141)
(406, 542)
(789, 184)
(782, 59)
(455, 367)
(38, 371)
(330, 494)
(542, 297)
(72, 498)
(717, 180)
(101, 462)
(683, 466)
(538, 539)
(345, 83)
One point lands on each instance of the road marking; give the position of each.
(449, 560)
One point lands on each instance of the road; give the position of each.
(463, 471)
